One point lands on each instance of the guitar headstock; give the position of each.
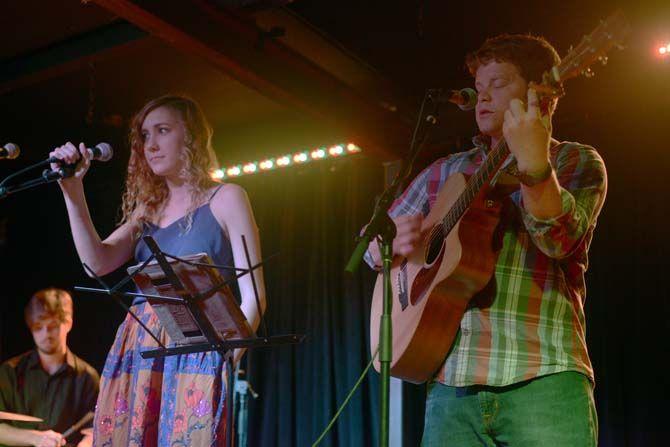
(594, 47)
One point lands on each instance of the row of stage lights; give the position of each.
(253, 167)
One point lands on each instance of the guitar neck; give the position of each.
(479, 180)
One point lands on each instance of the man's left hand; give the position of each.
(526, 135)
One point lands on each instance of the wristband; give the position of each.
(535, 178)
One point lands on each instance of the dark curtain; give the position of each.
(309, 216)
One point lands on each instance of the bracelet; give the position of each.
(532, 179)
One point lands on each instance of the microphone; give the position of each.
(465, 98)
(101, 152)
(9, 151)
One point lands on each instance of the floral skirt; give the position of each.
(171, 401)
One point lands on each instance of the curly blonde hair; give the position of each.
(146, 193)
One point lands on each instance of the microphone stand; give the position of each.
(48, 176)
(382, 228)
(102, 152)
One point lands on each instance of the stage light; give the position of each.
(284, 161)
(218, 174)
(318, 154)
(300, 157)
(252, 167)
(234, 171)
(336, 150)
(266, 164)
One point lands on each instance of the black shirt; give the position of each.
(60, 399)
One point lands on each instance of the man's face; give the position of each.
(497, 83)
(50, 334)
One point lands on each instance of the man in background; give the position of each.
(48, 382)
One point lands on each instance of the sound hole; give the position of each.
(435, 241)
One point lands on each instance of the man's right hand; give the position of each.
(48, 438)
(408, 236)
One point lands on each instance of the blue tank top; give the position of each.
(204, 236)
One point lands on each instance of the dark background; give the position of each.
(309, 215)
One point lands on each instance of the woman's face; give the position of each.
(164, 139)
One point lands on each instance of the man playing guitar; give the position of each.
(518, 371)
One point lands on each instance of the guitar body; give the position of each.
(433, 285)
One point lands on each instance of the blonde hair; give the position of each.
(145, 192)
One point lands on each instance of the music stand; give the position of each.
(199, 320)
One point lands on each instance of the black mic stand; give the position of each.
(48, 176)
(382, 229)
(189, 300)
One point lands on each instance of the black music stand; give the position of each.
(201, 333)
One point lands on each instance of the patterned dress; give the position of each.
(172, 401)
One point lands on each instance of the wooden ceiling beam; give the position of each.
(69, 55)
(236, 46)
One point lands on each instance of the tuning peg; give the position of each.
(603, 59)
(588, 73)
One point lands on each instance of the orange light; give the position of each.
(663, 50)
(352, 148)
(218, 174)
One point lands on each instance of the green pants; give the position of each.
(556, 410)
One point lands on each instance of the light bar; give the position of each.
(282, 161)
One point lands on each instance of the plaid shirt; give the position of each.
(529, 321)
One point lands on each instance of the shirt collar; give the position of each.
(482, 142)
(33, 361)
